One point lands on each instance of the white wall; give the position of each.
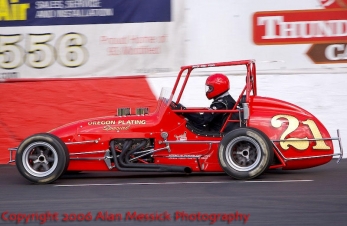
(221, 30)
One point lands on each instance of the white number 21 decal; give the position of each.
(298, 143)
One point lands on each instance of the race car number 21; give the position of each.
(298, 143)
(69, 50)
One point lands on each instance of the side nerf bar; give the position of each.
(341, 148)
(11, 151)
(338, 138)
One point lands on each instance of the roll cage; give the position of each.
(241, 106)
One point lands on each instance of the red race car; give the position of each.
(267, 134)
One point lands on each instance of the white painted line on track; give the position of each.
(276, 181)
(145, 183)
(178, 182)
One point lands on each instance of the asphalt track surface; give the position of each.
(316, 196)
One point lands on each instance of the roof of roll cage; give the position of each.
(219, 64)
(250, 76)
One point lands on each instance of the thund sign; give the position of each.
(326, 29)
(300, 27)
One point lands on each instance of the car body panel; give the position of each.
(297, 138)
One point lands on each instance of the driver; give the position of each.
(217, 87)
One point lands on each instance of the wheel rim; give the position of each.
(243, 153)
(40, 159)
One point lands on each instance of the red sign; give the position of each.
(300, 26)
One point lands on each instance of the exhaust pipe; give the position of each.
(133, 167)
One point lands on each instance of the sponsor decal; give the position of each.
(115, 122)
(326, 29)
(109, 122)
(174, 156)
(182, 136)
(117, 128)
(203, 65)
(132, 122)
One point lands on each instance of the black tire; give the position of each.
(42, 158)
(245, 153)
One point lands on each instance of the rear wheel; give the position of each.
(245, 153)
(42, 158)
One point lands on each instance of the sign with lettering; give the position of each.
(326, 29)
(91, 38)
(70, 12)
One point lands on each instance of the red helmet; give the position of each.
(216, 84)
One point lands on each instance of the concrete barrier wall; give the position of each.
(34, 106)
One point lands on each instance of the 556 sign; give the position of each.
(69, 50)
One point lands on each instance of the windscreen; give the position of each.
(164, 100)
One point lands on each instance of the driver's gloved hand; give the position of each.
(180, 107)
(175, 106)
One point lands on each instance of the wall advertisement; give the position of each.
(324, 29)
(73, 38)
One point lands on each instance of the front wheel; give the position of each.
(245, 153)
(42, 158)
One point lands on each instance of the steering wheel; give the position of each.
(176, 106)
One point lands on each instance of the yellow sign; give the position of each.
(11, 10)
